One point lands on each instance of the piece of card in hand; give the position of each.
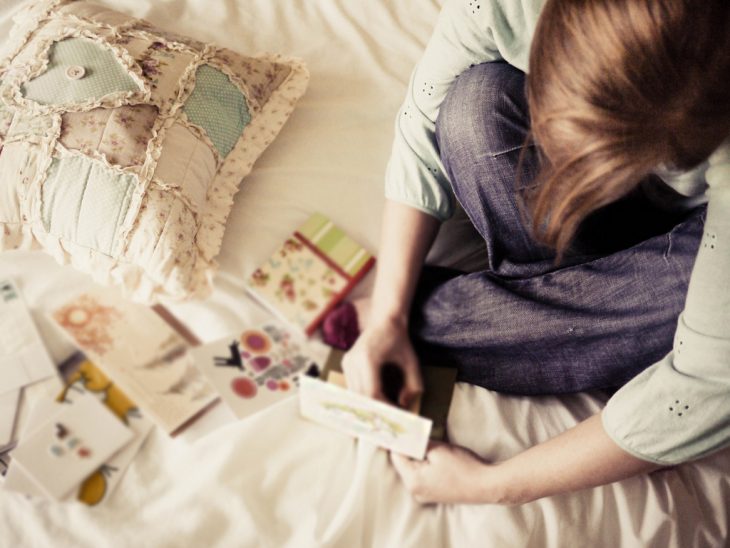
(89, 379)
(23, 356)
(63, 451)
(435, 401)
(141, 353)
(357, 415)
(258, 368)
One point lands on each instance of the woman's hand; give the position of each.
(406, 237)
(579, 458)
(449, 474)
(380, 343)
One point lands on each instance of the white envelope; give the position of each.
(23, 356)
(8, 411)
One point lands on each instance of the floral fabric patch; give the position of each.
(122, 145)
(120, 134)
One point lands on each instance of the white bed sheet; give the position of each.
(276, 480)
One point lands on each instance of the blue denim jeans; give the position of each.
(527, 325)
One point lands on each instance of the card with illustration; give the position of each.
(357, 415)
(310, 273)
(145, 357)
(258, 368)
(59, 454)
(88, 379)
(23, 356)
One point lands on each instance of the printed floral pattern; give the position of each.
(121, 134)
(297, 283)
(259, 368)
(262, 77)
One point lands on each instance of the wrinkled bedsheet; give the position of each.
(274, 479)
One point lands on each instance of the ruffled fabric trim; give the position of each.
(162, 280)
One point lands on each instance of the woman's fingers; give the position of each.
(413, 385)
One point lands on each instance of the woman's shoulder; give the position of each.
(718, 167)
(508, 24)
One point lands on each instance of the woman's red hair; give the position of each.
(617, 88)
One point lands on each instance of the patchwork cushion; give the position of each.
(122, 145)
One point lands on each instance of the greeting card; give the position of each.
(145, 357)
(88, 379)
(63, 451)
(258, 368)
(23, 356)
(310, 273)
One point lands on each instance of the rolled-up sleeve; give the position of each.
(679, 409)
(466, 33)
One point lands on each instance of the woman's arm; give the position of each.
(406, 237)
(582, 457)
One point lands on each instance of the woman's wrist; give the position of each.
(496, 486)
(388, 317)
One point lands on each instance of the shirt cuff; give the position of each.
(676, 410)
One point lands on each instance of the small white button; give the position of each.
(75, 72)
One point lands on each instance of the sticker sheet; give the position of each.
(261, 366)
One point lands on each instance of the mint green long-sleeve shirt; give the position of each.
(679, 408)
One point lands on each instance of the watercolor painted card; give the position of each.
(315, 268)
(141, 353)
(364, 418)
(258, 368)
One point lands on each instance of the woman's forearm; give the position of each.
(407, 235)
(582, 457)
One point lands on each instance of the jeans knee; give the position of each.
(484, 111)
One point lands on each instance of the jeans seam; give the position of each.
(668, 249)
(513, 149)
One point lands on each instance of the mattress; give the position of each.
(275, 479)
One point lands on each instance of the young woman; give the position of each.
(599, 184)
